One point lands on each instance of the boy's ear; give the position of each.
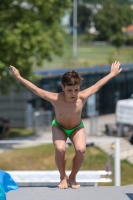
(63, 88)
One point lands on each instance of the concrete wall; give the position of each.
(13, 106)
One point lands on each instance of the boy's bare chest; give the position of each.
(64, 107)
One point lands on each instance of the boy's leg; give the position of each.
(59, 140)
(78, 138)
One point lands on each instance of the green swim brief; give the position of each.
(68, 132)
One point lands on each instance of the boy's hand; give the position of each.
(115, 68)
(15, 71)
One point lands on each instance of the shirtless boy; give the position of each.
(68, 108)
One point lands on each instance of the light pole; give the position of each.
(75, 52)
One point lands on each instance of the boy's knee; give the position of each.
(60, 150)
(81, 150)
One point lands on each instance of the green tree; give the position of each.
(29, 29)
(110, 20)
(84, 17)
(102, 1)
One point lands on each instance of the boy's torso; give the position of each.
(68, 115)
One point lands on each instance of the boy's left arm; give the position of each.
(115, 70)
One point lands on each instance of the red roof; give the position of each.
(129, 28)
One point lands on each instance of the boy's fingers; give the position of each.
(11, 67)
(118, 65)
(120, 70)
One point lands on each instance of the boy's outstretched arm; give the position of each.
(115, 70)
(42, 93)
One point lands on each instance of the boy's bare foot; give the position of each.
(64, 183)
(73, 183)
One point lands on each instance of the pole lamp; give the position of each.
(75, 52)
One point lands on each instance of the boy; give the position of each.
(68, 108)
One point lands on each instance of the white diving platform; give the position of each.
(52, 178)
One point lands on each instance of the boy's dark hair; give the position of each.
(71, 78)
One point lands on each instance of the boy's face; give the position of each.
(71, 92)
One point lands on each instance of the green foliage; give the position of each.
(84, 16)
(110, 20)
(117, 40)
(102, 1)
(18, 132)
(29, 29)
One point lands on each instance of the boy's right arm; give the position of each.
(49, 96)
